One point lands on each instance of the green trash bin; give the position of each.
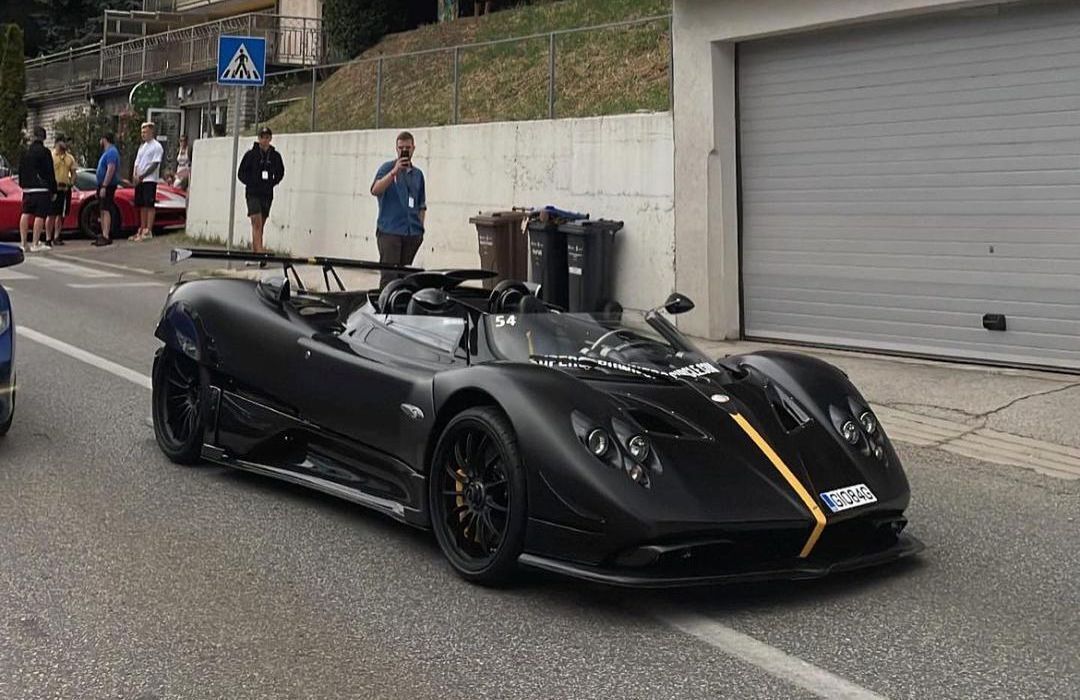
(503, 245)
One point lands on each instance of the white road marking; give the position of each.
(84, 356)
(9, 274)
(111, 285)
(115, 266)
(68, 268)
(773, 661)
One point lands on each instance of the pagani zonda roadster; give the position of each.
(9, 255)
(603, 448)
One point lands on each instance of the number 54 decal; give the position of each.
(501, 321)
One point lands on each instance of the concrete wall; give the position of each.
(612, 167)
(704, 38)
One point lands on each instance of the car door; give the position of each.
(373, 383)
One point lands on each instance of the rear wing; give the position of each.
(289, 263)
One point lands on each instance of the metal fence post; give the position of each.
(313, 78)
(142, 74)
(457, 51)
(378, 94)
(551, 75)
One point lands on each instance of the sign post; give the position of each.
(242, 63)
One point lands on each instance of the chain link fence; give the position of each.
(606, 69)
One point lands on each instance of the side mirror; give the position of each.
(276, 290)
(10, 255)
(678, 304)
(433, 300)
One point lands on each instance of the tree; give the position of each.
(83, 130)
(354, 25)
(62, 24)
(12, 91)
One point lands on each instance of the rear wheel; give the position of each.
(90, 220)
(178, 406)
(477, 496)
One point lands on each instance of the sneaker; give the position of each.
(38, 248)
(48, 243)
(101, 240)
(58, 241)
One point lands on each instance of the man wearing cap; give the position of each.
(146, 174)
(64, 170)
(260, 170)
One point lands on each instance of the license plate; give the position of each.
(848, 497)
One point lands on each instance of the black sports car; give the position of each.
(601, 447)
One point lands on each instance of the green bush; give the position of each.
(12, 90)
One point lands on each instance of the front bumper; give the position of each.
(788, 569)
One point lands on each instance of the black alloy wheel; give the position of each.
(178, 406)
(477, 496)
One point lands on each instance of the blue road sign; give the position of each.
(241, 60)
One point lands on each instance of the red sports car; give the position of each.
(83, 217)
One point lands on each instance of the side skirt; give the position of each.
(392, 508)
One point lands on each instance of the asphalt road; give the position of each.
(124, 576)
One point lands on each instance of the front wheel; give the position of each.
(178, 406)
(477, 496)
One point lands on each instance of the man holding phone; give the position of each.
(399, 185)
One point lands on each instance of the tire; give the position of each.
(90, 222)
(477, 496)
(6, 425)
(179, 406)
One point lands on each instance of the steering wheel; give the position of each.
(632, 344)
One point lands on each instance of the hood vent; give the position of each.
(658, 421)
(792, 416)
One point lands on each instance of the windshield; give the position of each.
(623, 344)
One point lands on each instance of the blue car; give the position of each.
(9, 255)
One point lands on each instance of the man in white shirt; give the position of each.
(146, 176)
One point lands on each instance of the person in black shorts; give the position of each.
(64, 170)
(108, 177)
(260, 170)
(38, 184)
(146, 174)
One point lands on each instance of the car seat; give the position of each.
(395, 297)
(506, 297)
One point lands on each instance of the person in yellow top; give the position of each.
(64, 168)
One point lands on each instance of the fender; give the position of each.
(181, 329)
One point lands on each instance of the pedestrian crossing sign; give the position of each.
(241, 60)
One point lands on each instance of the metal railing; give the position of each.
(63, 71)
(297, 41)
(545, 65)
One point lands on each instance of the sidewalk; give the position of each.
(1008, 416)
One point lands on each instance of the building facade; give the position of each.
(895, 175)
(173, 43)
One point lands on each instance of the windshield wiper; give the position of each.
(578, 361)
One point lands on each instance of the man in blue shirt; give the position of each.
(399, 185)
(108, 177)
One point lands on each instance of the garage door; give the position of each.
(906, 184)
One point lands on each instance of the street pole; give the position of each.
(232, 172)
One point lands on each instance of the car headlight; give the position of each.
(868, 422)
(5, 321)
(638, 447)
(850, 432)
(598, 442)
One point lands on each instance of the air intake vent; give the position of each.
(791, 414)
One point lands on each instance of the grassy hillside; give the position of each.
(607, 71)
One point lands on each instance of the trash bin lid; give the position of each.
(586, 226)
(495, 218)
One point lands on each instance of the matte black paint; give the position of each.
(306, 398)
